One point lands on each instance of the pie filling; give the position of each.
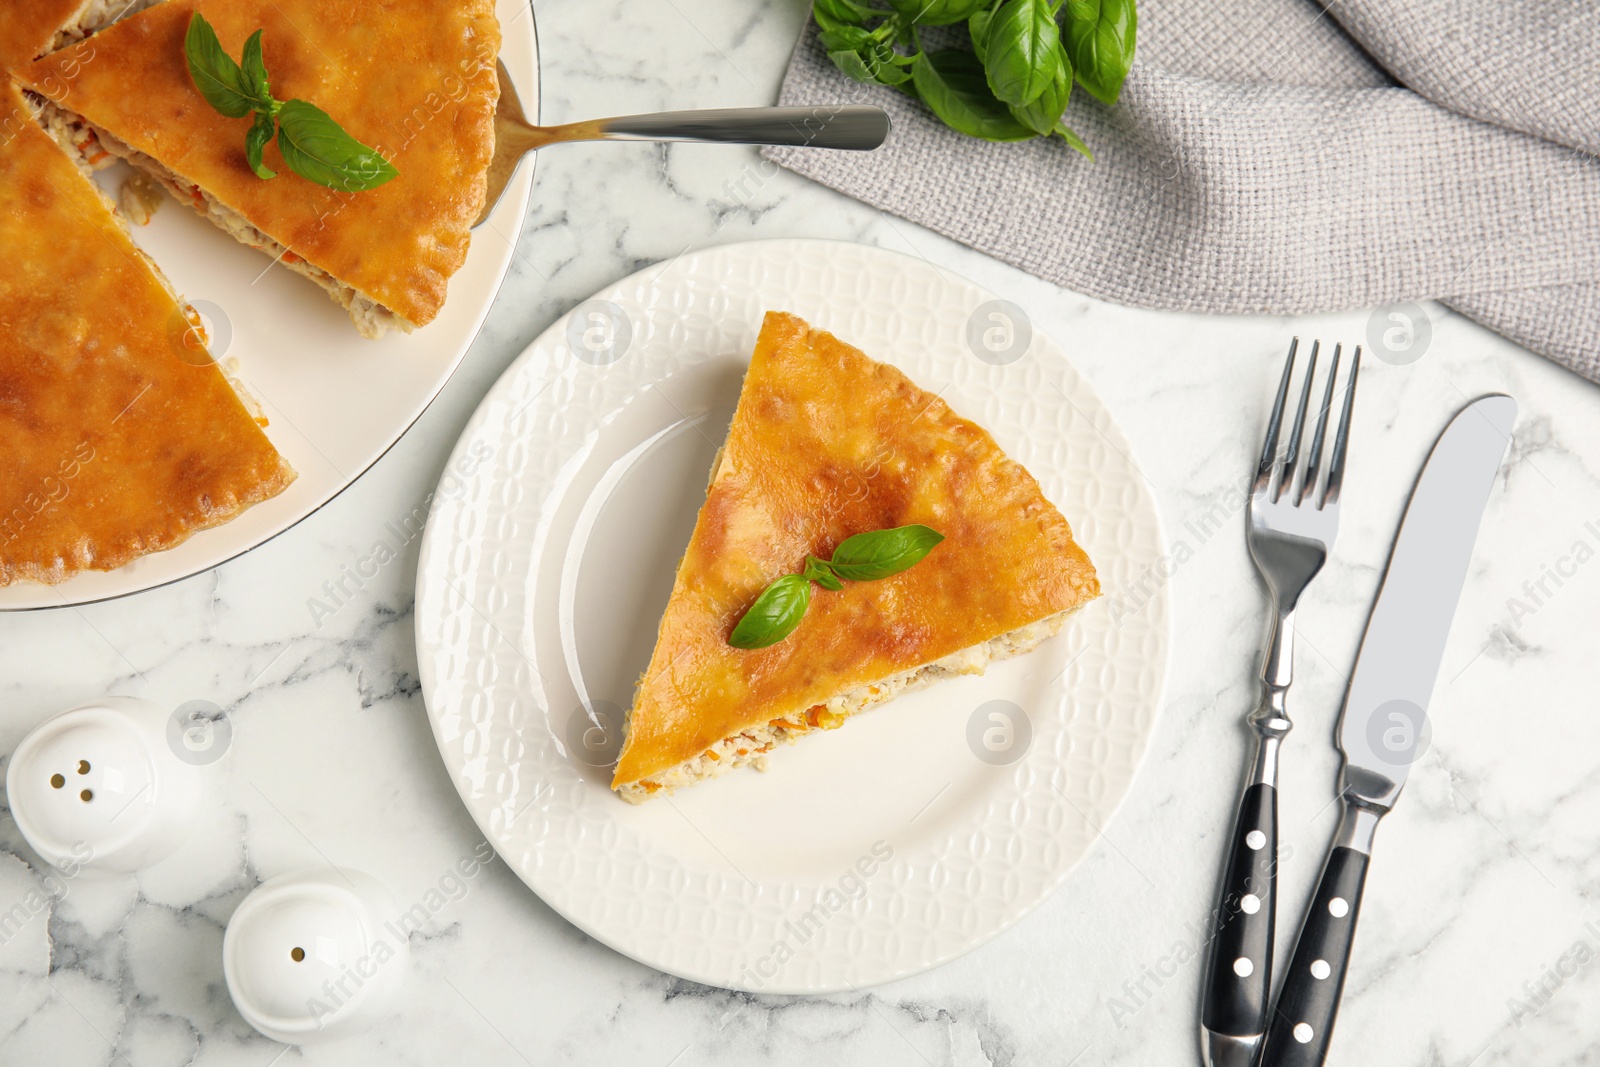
(751, 746)
(98, 149)
(97, 15)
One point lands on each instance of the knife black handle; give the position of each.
(1302, 1024)
(1240, 975)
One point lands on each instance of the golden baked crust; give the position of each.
(27, 27)
(415, 81)
(827, 443)
(118, 435)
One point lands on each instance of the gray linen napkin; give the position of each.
(1273, 156)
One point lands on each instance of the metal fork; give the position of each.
(1294, 515)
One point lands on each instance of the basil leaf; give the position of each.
(938, 12)
(1099, 36)
(1022, 52)
(867, 557)
(1074, 140)
(845, 38)
(820, 571)
(978, 30)
(319, 150)
(215, 74)
(888, 66)
(255, 141)
(952, 84)
(775, 613)
(843, 11)
(1044, 114)
(876, 63)
(254, 68)
(852, 64)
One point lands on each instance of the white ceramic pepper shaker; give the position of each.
(99, 788)
(315, 955)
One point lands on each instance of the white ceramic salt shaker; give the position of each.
(316, 955)
(99, 788)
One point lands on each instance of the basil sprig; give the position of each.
(866, 557)
(1014, 82)
(313, 145)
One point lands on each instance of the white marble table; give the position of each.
(1480, 928)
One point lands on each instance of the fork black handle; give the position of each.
(1302, 1025)
(1239, 978)
(850, 127)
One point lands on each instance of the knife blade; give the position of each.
(1385, 709)
(1403, 646)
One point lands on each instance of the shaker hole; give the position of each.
(297, 954)
(86, 796)
(56, 781)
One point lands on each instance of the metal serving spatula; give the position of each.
(1385, 709)
(854, 127)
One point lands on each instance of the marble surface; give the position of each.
(1480, 931)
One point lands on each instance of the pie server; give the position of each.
(847, 127)
(1385, 709)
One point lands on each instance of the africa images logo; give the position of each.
(800, 929)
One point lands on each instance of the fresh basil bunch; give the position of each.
(1015, 81)
(866, 557)
(313, 145)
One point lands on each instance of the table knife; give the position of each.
(1385, 709)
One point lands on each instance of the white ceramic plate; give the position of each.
(336, 401)
(911, 835)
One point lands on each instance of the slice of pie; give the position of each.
(826, 444)
(30, 28)
(415, 81)
(118, 434)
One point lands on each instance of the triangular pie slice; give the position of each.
(118, 434)
(415, 81)
(30, 28)
(825, 444)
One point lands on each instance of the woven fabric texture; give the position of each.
(1278, 156)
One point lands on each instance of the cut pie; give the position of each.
(118, 434)
(825, 444)
(30, 28)
(415, 81)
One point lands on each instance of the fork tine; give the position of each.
(1342, 439)
(1314, 460)
(1285, 485)
(1269, 451)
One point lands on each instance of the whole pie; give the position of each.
(118, 434)
(416, 81)
(826, 444)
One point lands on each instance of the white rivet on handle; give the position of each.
(1243, 967)
(1320, 969)
(1338, 907)
(1250, 903)
(1256, 840)
(1302, 1032)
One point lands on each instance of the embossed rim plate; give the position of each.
(906, 838)
(335, 402)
